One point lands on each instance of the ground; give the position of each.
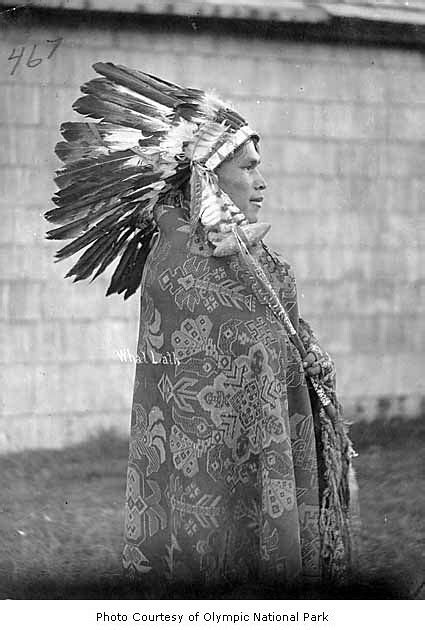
(61, 521)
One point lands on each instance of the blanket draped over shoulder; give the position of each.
(235, 472)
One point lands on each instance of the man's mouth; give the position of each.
(257, 201)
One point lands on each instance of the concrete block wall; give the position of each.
(342, 142)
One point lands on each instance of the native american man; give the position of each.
(239, 458)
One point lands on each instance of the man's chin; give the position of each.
(252, 215)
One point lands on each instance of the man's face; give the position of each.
(240, 178)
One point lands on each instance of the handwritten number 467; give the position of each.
(32, 61)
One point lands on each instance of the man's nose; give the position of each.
(260, 182)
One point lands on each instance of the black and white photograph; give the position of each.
(212, 302)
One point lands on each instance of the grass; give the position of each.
(61, 522)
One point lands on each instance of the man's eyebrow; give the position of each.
(251, 161)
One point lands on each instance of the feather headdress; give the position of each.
(150, 138)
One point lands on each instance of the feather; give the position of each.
(85, 216)
(93, 134)
(156, 82)
(86, 170)
(113, 251)
(72, 151)
(138, 82)
(132, 152)
(208, 136)
(98, 179)
(110, 112)
(77, 198)
(70, 230)
(92, 257)
(95, 232)
(135, 273)
(196, 185)
(112, 93)
(130, 252)
(64, 216)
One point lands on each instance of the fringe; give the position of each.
(336, 517)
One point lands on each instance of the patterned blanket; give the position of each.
(235, 473)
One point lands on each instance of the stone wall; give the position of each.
(342, 141)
